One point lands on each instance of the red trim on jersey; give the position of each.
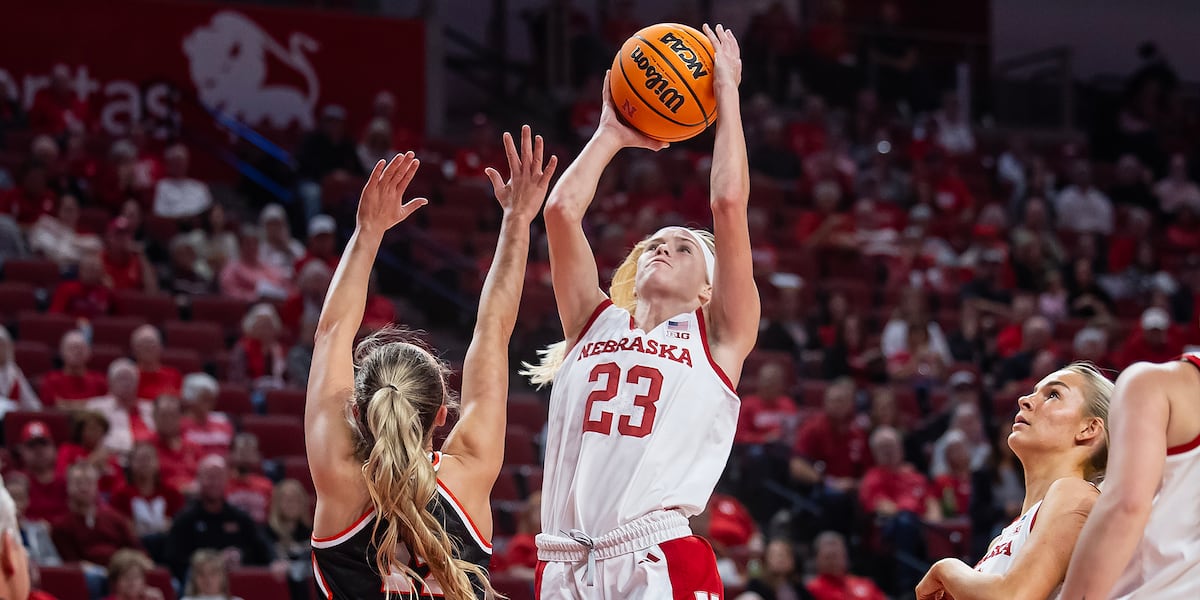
(537, 579)
(1188, 447)
(707, 353)
(356, 523)
(588, 325)
(1192, 358)
(466, 514)
(324, 585)
(1033, 521)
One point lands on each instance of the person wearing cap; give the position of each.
(88, 295)
(177, 196)
(15, 391)
(247, 277)
(278, 248)
(74, 383)
(322, 243)
(39, 455)
(125, 262)
(1155, 340)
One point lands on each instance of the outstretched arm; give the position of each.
(477, 441)
(734, 308)
(327, 434)
(572, 264)
(1138, 417)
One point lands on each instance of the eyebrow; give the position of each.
(1055, 382)
(659, 239)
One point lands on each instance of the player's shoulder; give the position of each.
(1069, 494)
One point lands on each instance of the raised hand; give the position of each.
(523, 194)
(612, 127)
(727, 61)
(381, 204)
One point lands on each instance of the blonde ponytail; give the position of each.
(395, 419)
(623, 293)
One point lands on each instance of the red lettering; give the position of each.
(602, 423)
(667, 351)
(610, 346)
(637, 345)
(651, 347)
(686, 357)
(624, 344)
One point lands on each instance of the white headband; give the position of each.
(710, 261)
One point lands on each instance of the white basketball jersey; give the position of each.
(1166, 563)
(1005, 548)
(639, 421)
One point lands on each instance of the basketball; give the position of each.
(662, 82)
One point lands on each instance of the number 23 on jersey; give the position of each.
(598, 419)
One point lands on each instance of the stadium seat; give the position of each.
(34, 271)
(16, 297)
(506, 489)
(286, 401)
(512, 586)
(296, 467)
(155, 308)
(949, 539)
(527, 413)
(104, 354)
(34, 358)
(160, 578)
(187, 361)
(204, 337)
(47, 328)
(94, 219)
(115, 331)
(59, 424)
(64, 582)
(256, 582)
(278, 436)
(159, 229)
(234, 400)
(519, 448)
(226, 312)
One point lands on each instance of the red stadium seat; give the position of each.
(506, 489)
(16, 297)
(159, 229)
(234, 400)
(34, 358)
(204, 337)
(64, 582)
(518, 448)
(949, 539)
(187, 361)
(155, 308)
(47, 328)
(94, 219)
(227, 312)
(115, 331)
(296, 467)
(527, 413)
(286, 401)
(256, 582)
(59, 424)
(160, 578)
(513, 586)
(35, 271)
(104, 354)
(278, 436)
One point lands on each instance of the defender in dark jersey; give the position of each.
(394, 519)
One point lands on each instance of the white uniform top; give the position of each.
(1004, 549)
(639, 421)
(1166, 563)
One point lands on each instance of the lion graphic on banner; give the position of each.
(228, 58)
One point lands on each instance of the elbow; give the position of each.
(733, 202)
(560, 208)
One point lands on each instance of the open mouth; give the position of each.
(1020, 420)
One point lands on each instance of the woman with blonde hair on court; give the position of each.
(1060, 435)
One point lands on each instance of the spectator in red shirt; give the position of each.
(322, 243)
(210, 431)
(259, 359)
(47, 490)
(177, 457)
(831, 454)
(825, 227)
(88, 430)
(69, 387)
(1008, 340)
(833, 580)
(128, 416)
(148, 502)
(59, 109)
(470, 161)
(312, 283)
(520, 554)
(248, 278)
(248, 490)
(125, 262)
(154, 378)
(1183, 231)
(87, 297)
(1154, 341)
(89, 532)
(769, 413)
(953, 488)
(379, 312)
(33, 199)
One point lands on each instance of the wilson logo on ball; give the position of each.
(685, 53)
(657, 82)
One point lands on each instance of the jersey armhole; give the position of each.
(708, 353)
(600, 308)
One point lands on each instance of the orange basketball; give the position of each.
(662, 82)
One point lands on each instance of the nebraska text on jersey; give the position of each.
(636, 344)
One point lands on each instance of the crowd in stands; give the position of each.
(917, 277)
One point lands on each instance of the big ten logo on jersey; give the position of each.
(400, 583)
(646, 383)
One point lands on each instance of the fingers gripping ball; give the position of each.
(662, 83)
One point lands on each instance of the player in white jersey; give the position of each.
(1143, 539)
(1061, 439)
(643, 409)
